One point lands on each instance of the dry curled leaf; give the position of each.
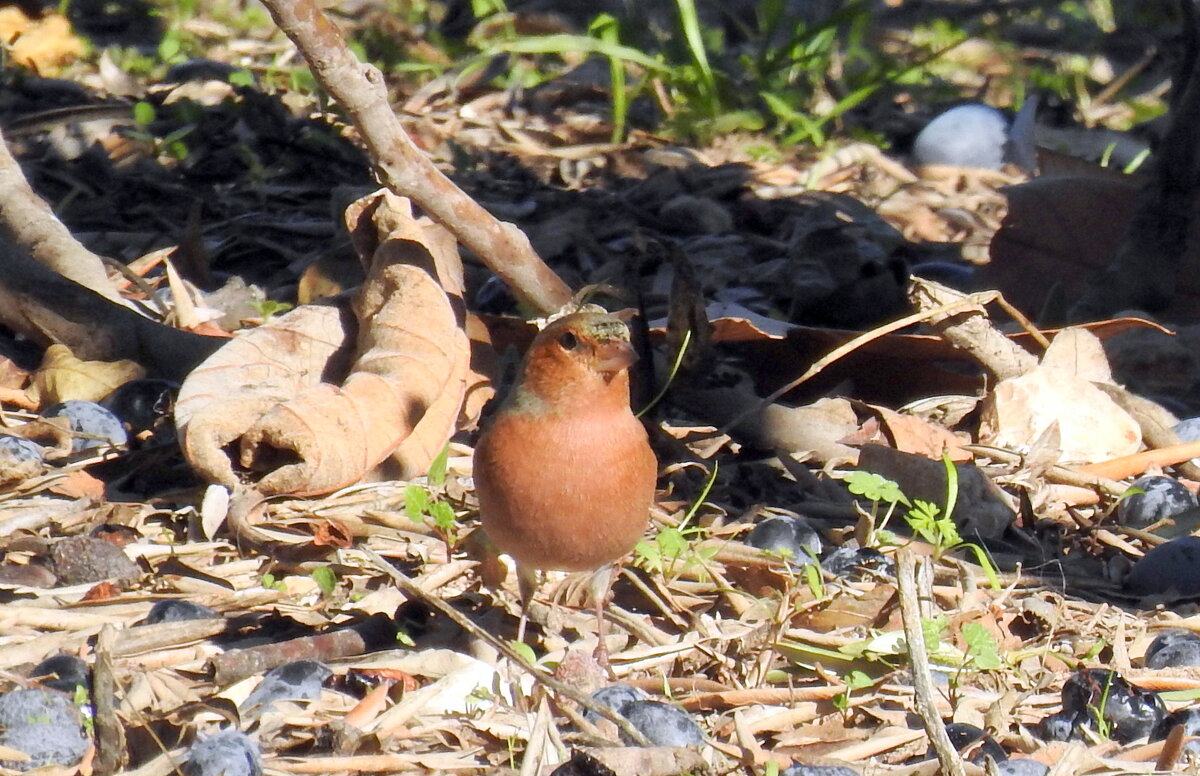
(297, 433)
(247, 377)
(336, 434)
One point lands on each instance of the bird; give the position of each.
(565, 474)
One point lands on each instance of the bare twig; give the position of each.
(970, 330)
(46, 307)
(110, 735)
(918, 659)
(402, 167)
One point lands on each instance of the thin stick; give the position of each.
(918, 661)
(973, 302)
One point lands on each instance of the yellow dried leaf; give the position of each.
(62, 376)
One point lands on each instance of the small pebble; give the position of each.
(145, 408)
(786, 535)
(94, 426)
(65, 673)
(1188, 718)
(1175, 647)
(1170, 567)
(178, 610)
(1130, 712)
(300, 680)
(43, 723)
(1188, 430)
(1161, 497)
(1021, 766)
(20, 453)
(799, 769)
(968, 737)
(663, 724)
(615, 697)
(970, 135)
(1062, 726)
(225, 753)
(852, 562)
(79, 560)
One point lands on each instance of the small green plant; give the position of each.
(171, 145)
(269, 308)
(606, 28)
(269, 582)
(326, 580)
(662, 553)
(1103, 726)
(982, 649)
(427, 504)
(933, 524)
(83, 701)
(525, 651)
(812, 578)
(854, 680)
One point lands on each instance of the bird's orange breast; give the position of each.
(565, 492)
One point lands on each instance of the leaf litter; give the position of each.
(777, 663)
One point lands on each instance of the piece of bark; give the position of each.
(347, 642)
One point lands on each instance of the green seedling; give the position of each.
(662, 553)
(269, 308)
(928, 521)
(427, 504)
(982, 649)
(1103, 727)
(269, 582)
(605, 28)
(326, 580)
(525, 651)
(854, 680)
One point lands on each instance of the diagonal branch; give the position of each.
(403, 168)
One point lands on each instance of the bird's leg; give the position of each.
(527, 583)
(599, 587)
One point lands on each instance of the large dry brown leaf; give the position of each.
(243, 380)
(339, 433)
(403, 394)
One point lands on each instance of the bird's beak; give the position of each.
(614, 355)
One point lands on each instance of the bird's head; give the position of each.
(579, 357)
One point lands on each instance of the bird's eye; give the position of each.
(568, 341)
